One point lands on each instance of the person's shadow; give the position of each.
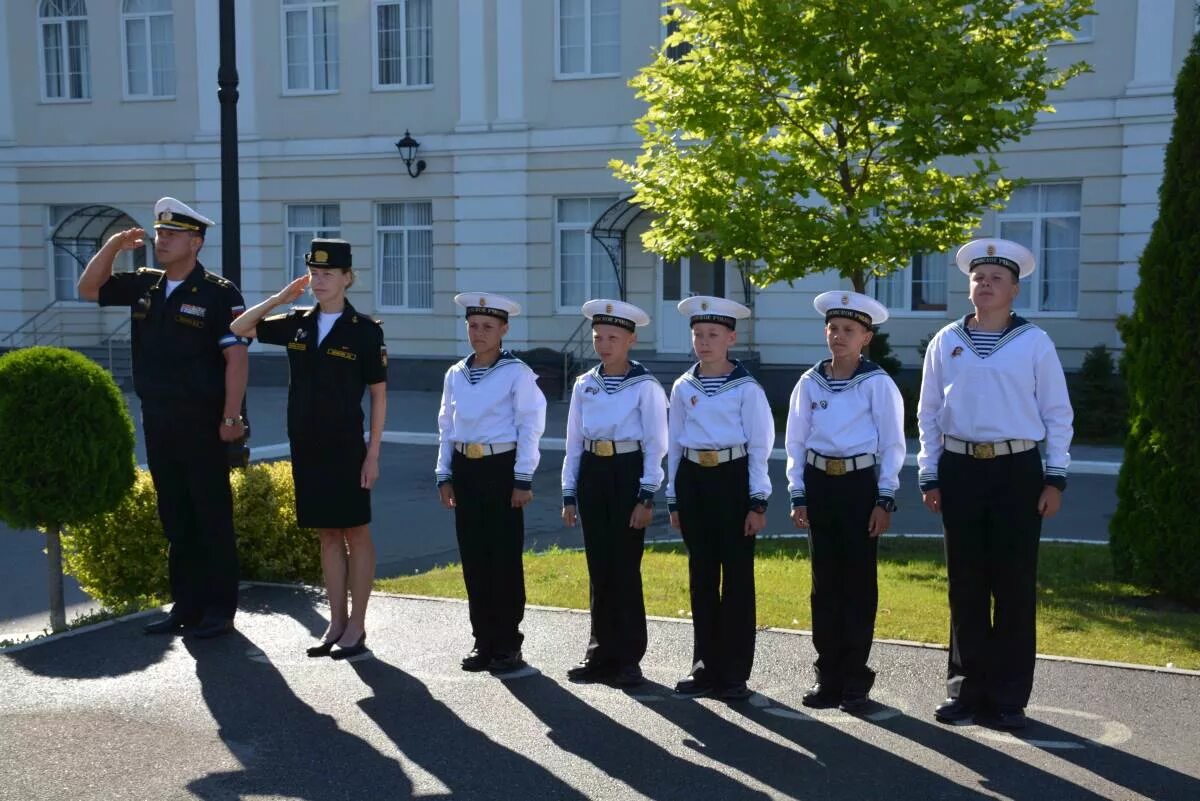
(126, 650)
(621, 752)
(467, 761)
(286, 748)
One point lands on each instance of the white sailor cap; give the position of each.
(855, 305)
(709, 309)
(175, 215)
(1003, 252)
(489, 304)
(603, 311)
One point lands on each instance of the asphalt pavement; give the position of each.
(111, 714)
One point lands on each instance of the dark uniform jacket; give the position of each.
(327, 380)
(178, 341)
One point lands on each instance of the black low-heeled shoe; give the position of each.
(359, 647)
(321, 650)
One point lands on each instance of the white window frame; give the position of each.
(377, 264)
(127, 93)
(1085, 34)
(1031, 286)
(587, 73)
(313, 231)
(404, 85)
(905, 276)
(307, 6)
(62, 22)
(605, 200)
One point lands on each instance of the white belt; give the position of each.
(608, 447)
(840, 467)
(716, 457)
(478, 450)
(988, 450)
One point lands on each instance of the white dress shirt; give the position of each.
(736, 413)
(1018, 391)
(635, 410)
(864, 416)
(503, 405)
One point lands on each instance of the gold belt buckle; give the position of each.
(475, 450)
(984, 450)
(603, 447)
(835, 467)
(709, 458)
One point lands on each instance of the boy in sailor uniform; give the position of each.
(720, 436)
(845, 448)
(616, 439)
(992, 388)
(489, 424)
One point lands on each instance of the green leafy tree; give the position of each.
(66, 448)
(804, 135)
(1155, 534)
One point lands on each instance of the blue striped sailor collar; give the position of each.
(1017, 325)
(866, 369)
(637, 373)
(505, 358)
(737, 376)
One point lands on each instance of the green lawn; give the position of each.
(1083, 611)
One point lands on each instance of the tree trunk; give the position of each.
(859, 280)
(58, 613)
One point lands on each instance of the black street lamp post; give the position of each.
(227, 94)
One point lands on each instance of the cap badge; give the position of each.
(166, 216)
(608, 309)
(704, 305)
(483, 302)
(320, 256)
(991, 250)
(845, 300)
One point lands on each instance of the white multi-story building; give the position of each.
(518, 105)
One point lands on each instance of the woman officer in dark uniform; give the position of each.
(334, 352)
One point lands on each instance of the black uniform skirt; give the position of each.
(328, 485)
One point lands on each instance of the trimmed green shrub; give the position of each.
(66, 448)
(1155, 539)
(880, 352)
(1098, 397)
(120, 557)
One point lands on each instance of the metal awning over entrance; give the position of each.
(610, 231)
(84, 230)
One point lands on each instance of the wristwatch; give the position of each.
(232, 421)
(886, 504)
(647, 502)
(760, 508)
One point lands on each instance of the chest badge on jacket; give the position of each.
(343, 353)
(956, 352)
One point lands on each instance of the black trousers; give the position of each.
(989, 510)
(712, 504)
(606, 493)
(491, 537)
(845, 593)
(190, 470)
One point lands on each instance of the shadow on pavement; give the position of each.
(831, 765)
(286, 748)
(467, 761)
(622, 753)
(127, 650)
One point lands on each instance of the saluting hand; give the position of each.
(129, 239)
(880, 520)
(521, 497)
(800, 516)
(292, 292)
(569, 516)
(1050, 502)
(446, 492)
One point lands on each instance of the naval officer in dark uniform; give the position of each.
(334, 354)
(189, 370)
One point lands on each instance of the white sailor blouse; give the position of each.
(1015, 391)
(500, 404)
(862, 415)
(733, 413)
(635, 409)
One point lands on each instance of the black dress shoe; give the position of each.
(476, 661)
(590, 670)
(506, 662)
(172, 623)
(733, 692)
(954, 710)
(1007, 719)
(345, 652)
(212, 627)
(822, 696)
(628, 676)
(694, 686)
(855, 703)
(321, 650)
